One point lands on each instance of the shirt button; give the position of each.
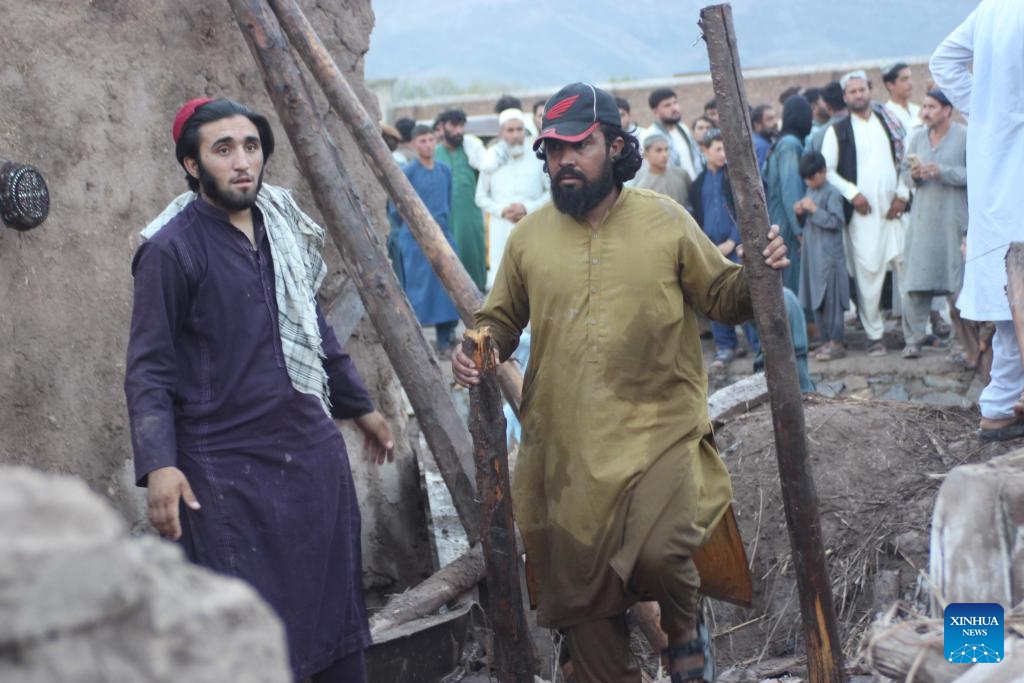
(594, 261)
(593, 321)
(593, 290)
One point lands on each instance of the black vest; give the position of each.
(846, 165)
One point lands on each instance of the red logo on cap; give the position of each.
(558, 109)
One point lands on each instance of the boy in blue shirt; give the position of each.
(711, 199)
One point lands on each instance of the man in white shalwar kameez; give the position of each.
(512, 183)
(991, 39)
(861, 157)
(899, 81)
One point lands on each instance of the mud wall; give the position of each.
(89, 90)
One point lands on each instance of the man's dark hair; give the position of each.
(757, 114)
(405, 126)
(455, 116)
(710, 137)
(658, 96)
(622, 103)
(789, 92)
(706, 119)
(419, 130)
(939, 97)
(188, 143)
(628, 161)
(507, 102)
(891, 73)
(812, 95)
(537, 105)
(833, 96)
(711, 104)
(811, 163)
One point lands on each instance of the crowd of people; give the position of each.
(234, 377)
(870, 196)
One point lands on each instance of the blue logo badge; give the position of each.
(973, 632)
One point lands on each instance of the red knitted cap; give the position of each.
(185, 113)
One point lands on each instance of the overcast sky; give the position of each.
(537, 43)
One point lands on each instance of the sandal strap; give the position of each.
(687, 649)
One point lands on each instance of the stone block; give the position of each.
(855, 382)
(85, 602)
(738, 398)
(940, 382)
(945, 398)
(977, 549)
(897, 392)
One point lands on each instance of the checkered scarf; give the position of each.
(896, 131)
(295, 245)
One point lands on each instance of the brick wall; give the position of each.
(763, 87)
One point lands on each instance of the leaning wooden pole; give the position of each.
(366, 132)
(1015, 294)
(498, 536)
(352, 231)
(824, 653)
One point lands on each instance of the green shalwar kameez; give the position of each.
(467, 220)
(615, 389)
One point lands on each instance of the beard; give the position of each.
(516, 151)
(670, 121)
(578, 201)
(453, 139)
(229, 200)
(859, 105)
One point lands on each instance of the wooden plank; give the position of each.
(1015, 294)
(800, 499)
(512, 645)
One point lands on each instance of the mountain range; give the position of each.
(535, 44)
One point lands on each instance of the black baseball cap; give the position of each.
(575, 111)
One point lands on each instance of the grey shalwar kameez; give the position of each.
(932, 262)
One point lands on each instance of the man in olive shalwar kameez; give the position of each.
(618, 481)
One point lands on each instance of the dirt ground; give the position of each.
(877, 468)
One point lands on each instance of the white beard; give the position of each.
(516, 151)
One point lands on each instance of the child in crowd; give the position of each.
(824, 284)
(711, 200)
(657, 175)
(432, 181)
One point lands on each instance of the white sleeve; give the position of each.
(543, 189)
(950, 65)
(474, 151)
(830, 150)
(483, 195)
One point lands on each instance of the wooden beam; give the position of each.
(824, 649)
(514, 651)
(1015, 294)
(429, 596)
(350, 227)
(366, 132)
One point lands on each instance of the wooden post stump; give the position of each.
(512, 645)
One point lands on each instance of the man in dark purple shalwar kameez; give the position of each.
(232, 380)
